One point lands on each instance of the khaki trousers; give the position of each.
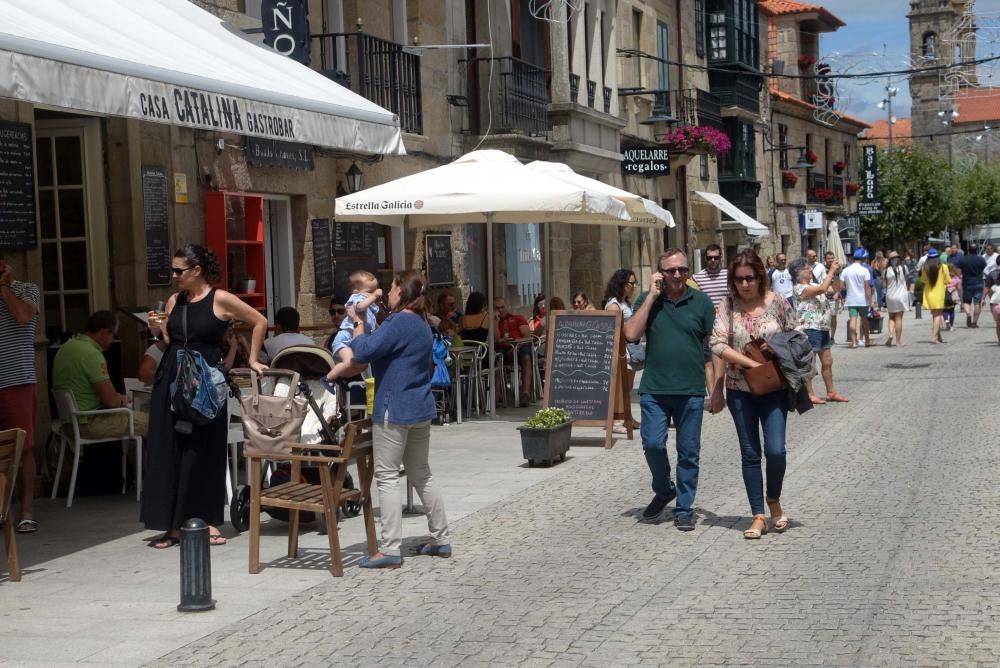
(114, 426)
(409, 445)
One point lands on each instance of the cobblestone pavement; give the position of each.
(891, 557)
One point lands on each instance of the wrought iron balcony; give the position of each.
(689, 107)
(384, 72)
(574, 87)
(519, 98)
(819, 189)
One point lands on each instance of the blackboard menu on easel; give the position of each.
(17, 187)
(322, 261)
(440, 271)
(581, 372)
(155, 220)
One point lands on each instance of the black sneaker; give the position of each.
(684, 521)
(968, 322)
(655, 508)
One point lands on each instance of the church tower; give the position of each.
(941, 34)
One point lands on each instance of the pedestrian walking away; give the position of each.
(754, 313)
(814, 309)
(973, 268)
(860, 297)
(398, 352)
(675, 320)
(897, 297)
(185, 471)
(19, 304)
(935, 279)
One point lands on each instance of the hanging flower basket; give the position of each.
(839, 166)
(807, 61)
(852, 189)
(822, 194)
(697, 140)
(789, 179)
(812, 157)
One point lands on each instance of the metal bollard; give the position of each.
(196, 568)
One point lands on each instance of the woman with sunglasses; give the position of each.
(618, 297)
(186, 464)
(581, 302)
(753, 312)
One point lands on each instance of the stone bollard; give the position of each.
(196, 568)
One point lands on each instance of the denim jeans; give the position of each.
(750, 415)
(687, 412)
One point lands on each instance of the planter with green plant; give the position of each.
(545, 436)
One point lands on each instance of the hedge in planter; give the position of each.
(545, 437)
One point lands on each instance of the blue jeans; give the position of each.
(687, 412)
(750, 414)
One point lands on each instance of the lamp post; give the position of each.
(886, 103)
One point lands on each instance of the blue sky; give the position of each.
(878, 26)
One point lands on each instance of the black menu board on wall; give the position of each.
(440, 270)
(156, 221)
(17, 187)
(322, 261)
(355, 239)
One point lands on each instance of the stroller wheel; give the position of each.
(239, 509)
(350, 508)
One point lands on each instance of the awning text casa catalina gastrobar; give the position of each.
(200, 109)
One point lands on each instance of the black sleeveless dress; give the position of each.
(184, 474)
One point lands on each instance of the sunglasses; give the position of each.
(744, 279)
(675, 271)
(178, 271)
(632, 283)
(338, 311)
(713, 257)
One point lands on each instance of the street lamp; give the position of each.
(886, 103)
(355, 177)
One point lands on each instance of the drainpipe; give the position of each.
(682, 182)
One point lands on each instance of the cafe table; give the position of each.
(515, 345)
(463, 355)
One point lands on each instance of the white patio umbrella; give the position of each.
(834, 244)
(481, 187)
(643, 212)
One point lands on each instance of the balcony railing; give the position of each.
(734, 90)
(574, 87)
(817, 188)
(709, 109)
(591, 93)
(379, 70)
(518, 101)
(689, 107)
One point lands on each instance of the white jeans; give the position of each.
(409, 445)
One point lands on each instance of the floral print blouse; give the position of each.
(778, 316)
(814, 312)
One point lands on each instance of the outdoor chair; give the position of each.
(69, 431)
(138, 394)
(539, 349)
(326, 497)
(11, 444)
(234, 437)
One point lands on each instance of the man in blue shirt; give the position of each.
(972, 265)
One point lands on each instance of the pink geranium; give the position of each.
(692, 137)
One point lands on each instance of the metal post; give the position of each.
(492, 403)
(196, 568)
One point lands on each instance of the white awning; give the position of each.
(168, 61)
(753, 228)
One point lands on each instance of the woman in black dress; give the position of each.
(184, 475)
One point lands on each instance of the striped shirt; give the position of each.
(715, 286)
(17, 363)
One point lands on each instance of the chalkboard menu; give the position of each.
(17, 187)
(322, 261)
(155, 220)
(356, 239)
(582, 364)
(440, 270)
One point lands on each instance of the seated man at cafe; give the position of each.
(286, 334)
(80, 367)
(511, 326)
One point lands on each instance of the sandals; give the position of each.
(215, 539)
(816, 401)
(781, 523)
(755, 533)
(26, 525)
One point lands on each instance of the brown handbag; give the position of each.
(762, 379)
(271, 422)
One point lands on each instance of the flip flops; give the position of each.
(26, 526)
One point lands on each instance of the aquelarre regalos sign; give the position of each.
(646, 161)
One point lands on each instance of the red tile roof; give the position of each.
(791, 99)
(977, 105)
(902, 132)
(782, 7)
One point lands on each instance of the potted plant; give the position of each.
(852, 189)
(811, 156)
(839, 166)
(695, 139)
(545, 436)
(789, 179)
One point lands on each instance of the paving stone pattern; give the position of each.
(891, 557)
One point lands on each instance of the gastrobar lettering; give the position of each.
(193, 107)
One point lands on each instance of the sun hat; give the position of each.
(892, 254)
(860, 254)
(933, 253)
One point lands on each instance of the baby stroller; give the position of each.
(322, 424)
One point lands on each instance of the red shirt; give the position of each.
(510, 327)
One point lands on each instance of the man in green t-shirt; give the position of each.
(80, 367)
(675, 320)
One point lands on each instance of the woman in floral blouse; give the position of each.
(753, 312)
(814, 308)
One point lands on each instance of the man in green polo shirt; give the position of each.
(80, 367)
(675, 320)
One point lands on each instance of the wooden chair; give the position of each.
(11, 442)
(325, 497)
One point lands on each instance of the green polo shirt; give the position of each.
(78, 365)
(675, 335)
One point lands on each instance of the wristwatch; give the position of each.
(358, 323)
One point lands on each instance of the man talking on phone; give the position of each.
(675, 320)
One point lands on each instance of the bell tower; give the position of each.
(942, 33)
